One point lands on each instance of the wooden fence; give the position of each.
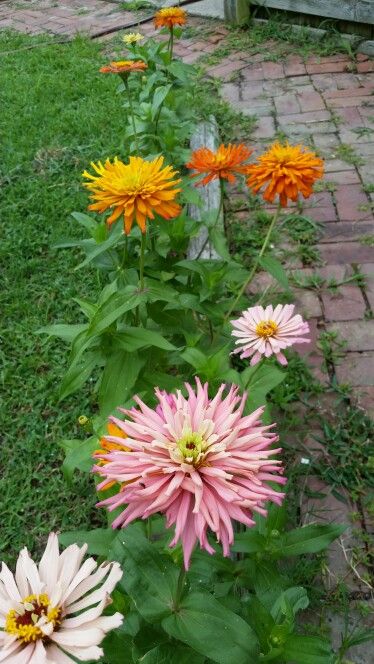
(360, 11)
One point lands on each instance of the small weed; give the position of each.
(368, 188)
(346, 153)
(332, 348)
(135, 5)
(304, 233)
(367, 240)
(325, 185)
(349, 442)
(363, 131)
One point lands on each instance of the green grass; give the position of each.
(57, 114)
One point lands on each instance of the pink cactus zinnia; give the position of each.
(268, 331)
(52, 613)
(198, 460)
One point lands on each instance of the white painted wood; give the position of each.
(236, 11)
(206, 134)
(361, 11)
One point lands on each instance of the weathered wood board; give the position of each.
(359, 11)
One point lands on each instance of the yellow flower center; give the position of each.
(22, 622)
(266, 329)
(192, 447)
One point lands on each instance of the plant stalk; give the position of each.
(220, 210)
(171, 43)
(256, 263)
(141, 261)
(132, 114)
(180, 586)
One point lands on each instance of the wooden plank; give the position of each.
(344, 10)
(206, 135)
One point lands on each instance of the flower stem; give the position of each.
(220, 209)
(132, 113)
(141, 261)
(256, 263)
(171, 42)
(180, 587)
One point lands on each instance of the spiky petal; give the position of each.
(198, 460)
(265, 332)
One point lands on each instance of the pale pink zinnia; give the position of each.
(198, 460)
(52, 613)
(268, 331)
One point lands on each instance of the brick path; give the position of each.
(66, 17)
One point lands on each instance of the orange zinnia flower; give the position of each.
(106, 446)
(168, 17)
(137, 190)
(124, 67)
(227, 162)
(287, 170)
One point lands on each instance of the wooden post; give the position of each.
(237, 11)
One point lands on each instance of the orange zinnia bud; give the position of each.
(287, 170)
(226, 163)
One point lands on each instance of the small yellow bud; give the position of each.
(82, 420)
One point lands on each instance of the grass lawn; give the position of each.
(57, 114)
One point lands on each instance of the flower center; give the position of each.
(23, 621)
(192, 447)
(266, 329)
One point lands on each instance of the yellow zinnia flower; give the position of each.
(287, 170)
(132, 38)
(137, 190)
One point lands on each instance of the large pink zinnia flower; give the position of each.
(52, 613)
(268, 331)
(198, 460)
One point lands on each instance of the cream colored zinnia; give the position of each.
(132, 38)
(52, 613)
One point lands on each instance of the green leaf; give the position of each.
(172, 653)
(208, 627)
(78, 457)
(294, 598)
(117, 382)
(65, 332)
(219, 242)
(85, 221)
(134, 338)
(260, 619)
(276, 269)
(309, 539)
(159, 97)
(114, 307)
(118, 648)
(249, 542)
(101, 247)
(99, 541)
(78, 373)
(259, 381)
(149, 577)
(308, 650)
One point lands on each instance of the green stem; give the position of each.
(180, 587)
(220, 209)
(256, 263)
(171, 43)
(126, 252)
(141, 262)
(132, 113)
